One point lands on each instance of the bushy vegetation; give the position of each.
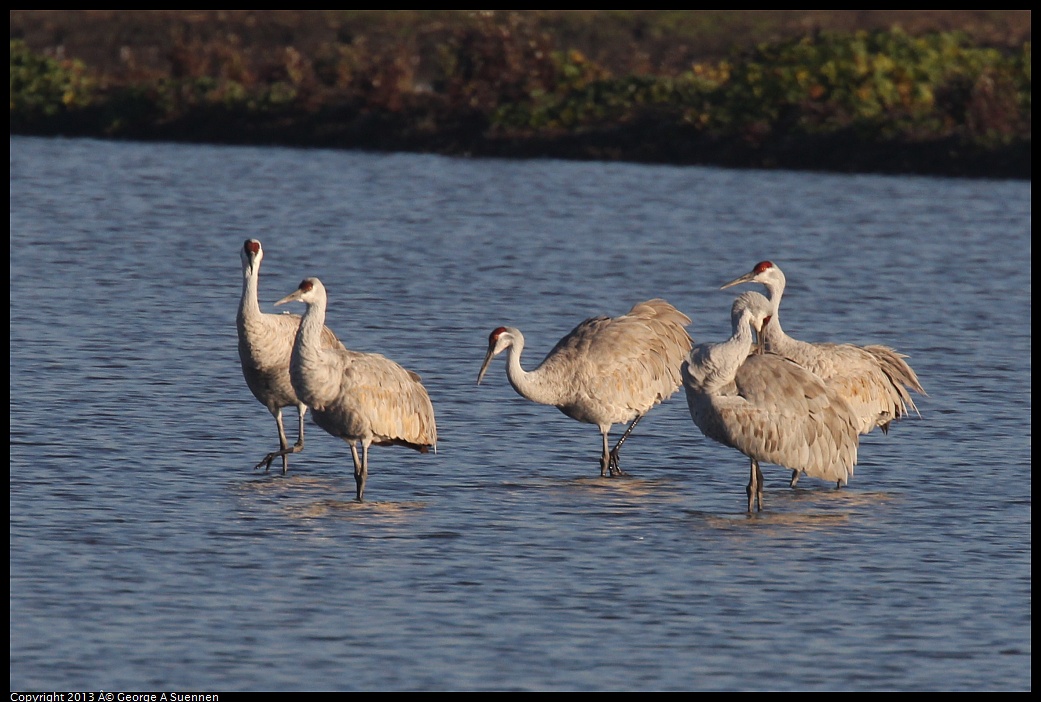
(500, 83)
(42, 87)
(883, 85)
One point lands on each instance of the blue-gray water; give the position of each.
(145, 552)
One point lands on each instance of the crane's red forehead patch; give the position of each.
(252, 246)
(762, 266)
(306, 285)
(495, 334)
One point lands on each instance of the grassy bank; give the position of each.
(932, 92)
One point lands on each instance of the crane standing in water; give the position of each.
(362, 398)
(767, 407)
(265, 346)
(605, 371)
(875, 379)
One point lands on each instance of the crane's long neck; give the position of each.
(718, 367)
(311, 324)
(804, 353)
(314, 377)
(533, 385)
(733, 352)
(774, 292)
(776, 340)
(773, 334)
(249, 307)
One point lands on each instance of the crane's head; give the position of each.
(498, 341)
(764, 272)
(252, 254)
(753, 309)
(309, 291)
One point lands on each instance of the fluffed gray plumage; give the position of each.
(767, 407)
(359, 397)
(605, 371)
(875, 380)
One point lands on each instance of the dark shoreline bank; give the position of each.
(647, 144)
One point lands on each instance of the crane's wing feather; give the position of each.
(379, 397)
(630, 363)
(777, 412)
(875, 380)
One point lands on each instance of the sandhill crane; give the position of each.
(875, 380)
(360, 397)
(605, 371)
(767, 407)
(265, 345)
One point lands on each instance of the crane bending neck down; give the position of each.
(607, 370)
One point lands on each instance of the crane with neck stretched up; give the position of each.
(362, 398)
(876, 380)
(605, 371)
(265, 346)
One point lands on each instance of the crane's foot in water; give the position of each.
(614, 470)
(268, 459)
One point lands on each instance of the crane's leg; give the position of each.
(755, 487)
(360, 469)
(795, 478)
(364, 471)
(750, 488)
(283, 442)
(613, 463)
(759, 486)
(301, 413)
(605, 457)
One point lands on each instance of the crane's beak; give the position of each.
(746, 278)
(291, 297)
(487, 362)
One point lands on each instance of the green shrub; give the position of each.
(43, 87)
(881, 84)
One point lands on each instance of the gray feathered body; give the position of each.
(769, 408)
(359, 397)
(266, 345)
(612, 369)
(874, 379)
(776, 412)
(367, 397)
(605, 371)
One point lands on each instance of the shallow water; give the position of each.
(145, 553)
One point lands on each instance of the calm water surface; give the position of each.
(145, 553)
